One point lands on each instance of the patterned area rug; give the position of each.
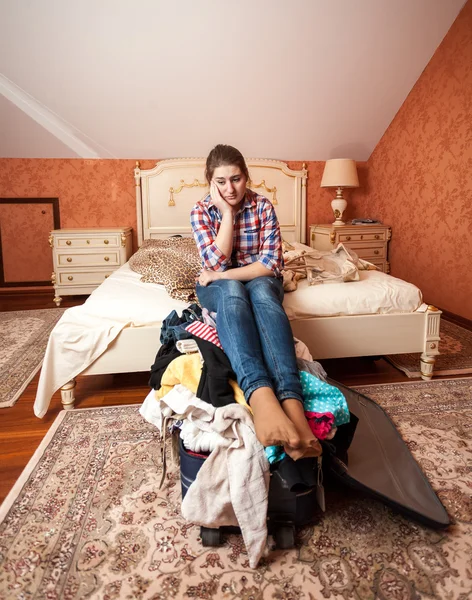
(86, 519)
(23, 339)
(455, 357)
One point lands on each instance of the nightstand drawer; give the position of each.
(78, 259)
(81, 278)
(112, 240)
(362, 237)
(367, 253)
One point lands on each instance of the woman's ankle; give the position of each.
(263, 398)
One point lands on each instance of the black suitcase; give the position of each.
(291, 504)
(366, 454)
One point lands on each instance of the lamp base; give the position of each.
(338, 205)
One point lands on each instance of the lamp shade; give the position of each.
(340, 172)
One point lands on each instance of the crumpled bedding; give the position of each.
(333, 266)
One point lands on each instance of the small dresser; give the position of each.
(369, 242)
(84, 258)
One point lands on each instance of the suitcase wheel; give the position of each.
(285, 537)
(211, 537)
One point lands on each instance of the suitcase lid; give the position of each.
(380, 463)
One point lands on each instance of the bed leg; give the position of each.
(427, 366)
(67, 394)
(431, 342)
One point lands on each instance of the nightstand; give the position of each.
(84, 258)
(369, 242)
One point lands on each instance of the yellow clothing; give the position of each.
(187, 370)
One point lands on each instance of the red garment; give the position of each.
(204, 331)
(320, 423)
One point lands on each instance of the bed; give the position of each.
(117, 329)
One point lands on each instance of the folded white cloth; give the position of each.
(197, 440)
(186, 346)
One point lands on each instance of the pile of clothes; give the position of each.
(195, 395)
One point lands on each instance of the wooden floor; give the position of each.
(21, 431)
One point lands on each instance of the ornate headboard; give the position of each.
(166, 194)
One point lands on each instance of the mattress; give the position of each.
(374, 293)
(84, 332)
(123, 298)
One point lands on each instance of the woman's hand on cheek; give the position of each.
(218, 200)
(207, 276)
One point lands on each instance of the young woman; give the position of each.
(238, 237)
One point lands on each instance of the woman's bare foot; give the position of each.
(309, 446)
(273, 427)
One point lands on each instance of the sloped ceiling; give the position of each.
(297, 80)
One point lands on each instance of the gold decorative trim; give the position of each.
(332, 237)
(270, 190)
(433, 308)
(183, 185)
(123, 239)
(51, 241)
(389, 234)
(53, 278)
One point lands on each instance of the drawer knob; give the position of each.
(88, 241)
(106, 242)
(107, 258)
(362, 237)
(348, 237)
(69, 259)
(107, 276)
(376, 252)
(68, 242)
(377, 236)
(70, 278)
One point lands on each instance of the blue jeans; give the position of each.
(255, 334)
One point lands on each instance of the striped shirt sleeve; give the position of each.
(204, 233)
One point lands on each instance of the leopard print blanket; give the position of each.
(172, 262)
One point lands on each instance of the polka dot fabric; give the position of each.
(320, 397)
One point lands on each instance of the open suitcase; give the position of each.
(367, 454)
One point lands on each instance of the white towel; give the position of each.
(232, 485)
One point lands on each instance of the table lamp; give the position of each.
(339, 173)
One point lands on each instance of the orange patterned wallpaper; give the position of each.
(419, 177)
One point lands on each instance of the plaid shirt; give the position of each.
(256, 235)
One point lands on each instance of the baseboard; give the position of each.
(457, 319)
(26, 291)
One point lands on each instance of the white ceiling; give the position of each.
(297, 80)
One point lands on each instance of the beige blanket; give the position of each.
(333, 266)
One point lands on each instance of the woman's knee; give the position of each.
(264, 289)
(220, 293)
(232, 289)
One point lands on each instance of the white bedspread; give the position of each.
(84, 332)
